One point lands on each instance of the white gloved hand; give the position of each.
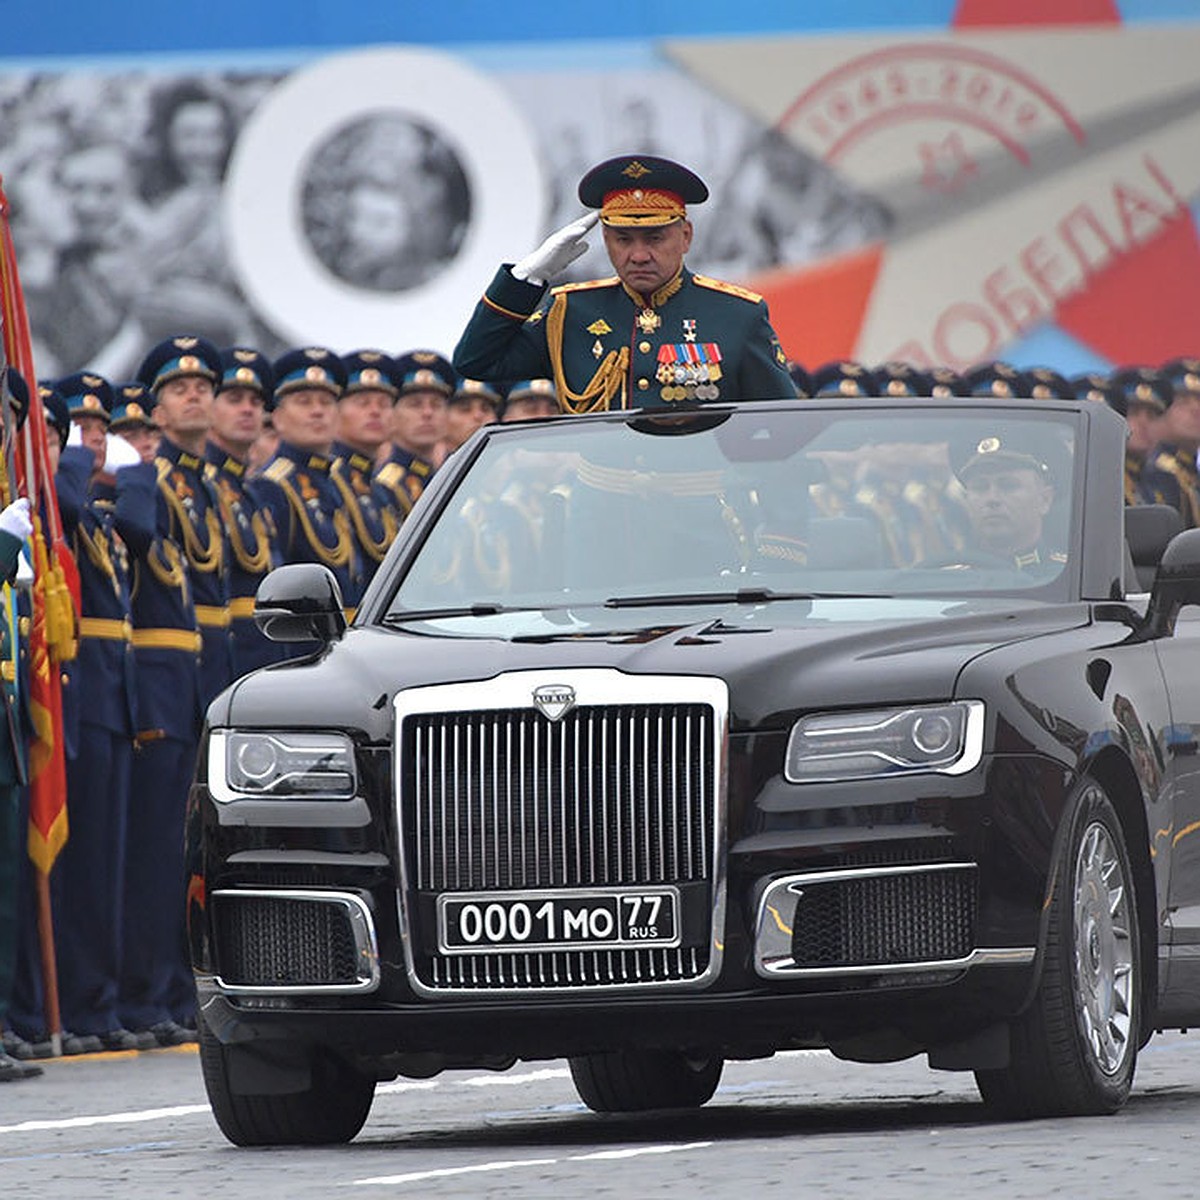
(15, 519)
(75, 434)
(557, 252)
(118, 453)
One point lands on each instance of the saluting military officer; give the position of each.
(178, 575)
(426, 381)
(653, 334)
(364, 413)
(238, 412)
(116, 509)
(306, 505)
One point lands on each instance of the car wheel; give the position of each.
(637, 1080)
(331, 1111)
(1074, 1051)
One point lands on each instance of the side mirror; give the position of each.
(300, 602)
(1177, 582)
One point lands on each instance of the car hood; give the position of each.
(778, 659)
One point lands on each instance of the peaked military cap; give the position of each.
(1100, 389)
(1183, 374)
(1144, 385)
(998, 379)
(523, 389)
(370, 371)
(178, 357)
(1003, 450)
(843, 379)
(901, 379)
(1047, 384)
(945, 381)
(18, 394)
(308, 368)
(242, 367)
(133, 403)
(55, 408)
(471, 389)
(425, 371)
(802, 380)
(86, 394)
(641, 189)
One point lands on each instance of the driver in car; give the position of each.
(1008, 491)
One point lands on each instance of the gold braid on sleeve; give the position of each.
(609, 379)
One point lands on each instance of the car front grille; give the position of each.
(906, 918)
(293, 941)
(611, 795)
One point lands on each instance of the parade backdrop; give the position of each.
(937, 181)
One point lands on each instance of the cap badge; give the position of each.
(186, 343)
(315, 374)
(244, 375)
(189, 362)
(90, 401)
(92, 381)
(135, 411)
(369, 377)
(636, 170)
(245, 356)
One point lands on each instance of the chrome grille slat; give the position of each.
(615, 794)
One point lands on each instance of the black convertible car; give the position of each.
(663, 739)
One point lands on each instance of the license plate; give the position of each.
(613, 919)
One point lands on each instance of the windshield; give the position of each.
(752, 504)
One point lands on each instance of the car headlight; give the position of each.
(943, 738)
(245, 763)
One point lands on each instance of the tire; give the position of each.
(639, 1080)
(330, 1112)
(1074, 1052)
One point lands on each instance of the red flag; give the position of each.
(55, 594)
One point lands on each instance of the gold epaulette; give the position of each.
(279, 470)
(585, 285)
(390, 474)
(730, 289)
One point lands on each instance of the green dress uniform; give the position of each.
(607, 347)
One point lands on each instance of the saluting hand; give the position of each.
(557, 252)
(14, 519)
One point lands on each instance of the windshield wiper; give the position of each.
(431, 614)
(741, 596)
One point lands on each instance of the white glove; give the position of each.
(75, 434)
(118, 453)
(557, 252)
(15, 519)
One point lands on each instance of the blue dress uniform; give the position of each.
(296, 486)
(89, 877)
(608, 346)
(403, 476)
(157, 990)
(375, 515)
(253, 548)
(1162, 476)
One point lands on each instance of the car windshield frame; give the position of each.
(386, 603)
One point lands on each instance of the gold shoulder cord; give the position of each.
(1187, 494)
(205, 559)
(258, 561)
(376, 549)
(96, 547)
(170, 572)
(610, 376)
(331, 556)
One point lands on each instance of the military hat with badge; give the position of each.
(1183, 374)
(995, 379)
(371, 371)
(1099, 389)
(180, 357)
(469, 391)
(307, 369)
(425, 371)
(896, 378)
(245, 367)
(86, 394)
(843, 378)
(133, 406)
(641, 190)
(527, 399)
(1045, 383)
(1145, 387)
